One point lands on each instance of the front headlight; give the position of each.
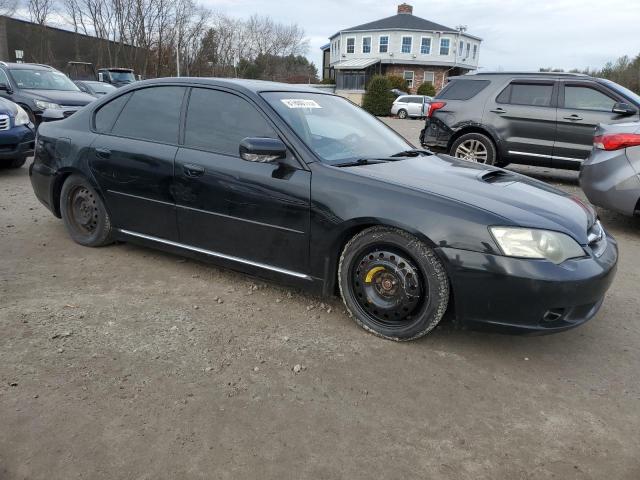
(532, 243)
(42, 105)
(22, 118)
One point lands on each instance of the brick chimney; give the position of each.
(405, 8)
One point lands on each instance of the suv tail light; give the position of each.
(433, 106)
(616, 141)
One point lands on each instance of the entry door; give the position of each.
(133, 159)
(524, 116)
(582, 106)
(253, 211)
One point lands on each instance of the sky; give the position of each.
(517, 34)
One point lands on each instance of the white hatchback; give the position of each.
(415, 106)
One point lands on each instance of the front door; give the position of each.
(523, 115)
(582, 106)
(257, 212)
(132, 159)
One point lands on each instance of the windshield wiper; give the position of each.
(361, 161)
(412, 153)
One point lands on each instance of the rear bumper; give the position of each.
(528, 296)
(436, 135)
(610, 181)
(17, 142)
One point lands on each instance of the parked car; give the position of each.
(610, 177)
(118, 77)
(397, 92)
(95, 89)
(16, 135)
(414, 106)
(37, 87)
(545, 119)
(236, 172)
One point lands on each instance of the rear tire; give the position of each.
(84, 214)
(402, 114)
(392, 284)
(15, 162)
(474, 147)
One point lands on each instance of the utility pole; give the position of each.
(178, 60)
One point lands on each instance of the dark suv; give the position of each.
(37, 88)
(545, 119)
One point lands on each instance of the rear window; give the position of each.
(462, 89)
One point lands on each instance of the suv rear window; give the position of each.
(462, 89)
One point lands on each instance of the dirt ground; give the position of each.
(127, 363)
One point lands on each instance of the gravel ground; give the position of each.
(123, 362)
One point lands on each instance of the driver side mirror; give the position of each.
(262, 150)
(622, 108)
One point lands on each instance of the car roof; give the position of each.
(523, 74)
(26, 66)
(252, 86)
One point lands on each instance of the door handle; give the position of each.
(193, 170)
(499, 110)
(573, 117)
(103, 152)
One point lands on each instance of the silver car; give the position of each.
(414, 106)
(610, 177)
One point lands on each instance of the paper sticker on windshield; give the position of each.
(300, 103)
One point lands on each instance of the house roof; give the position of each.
(356, 63)
(401, 21)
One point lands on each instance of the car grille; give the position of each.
(597, 239)
(5, 122)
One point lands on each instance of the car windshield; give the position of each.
(43, 80)
(117, 76)
(336, 130)
(101, 87)
(625, 92)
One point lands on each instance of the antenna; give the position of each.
(462, 28)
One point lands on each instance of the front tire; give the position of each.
(474, 147)
(84, 214)
(392, 284)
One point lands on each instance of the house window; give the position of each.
(408, 76)
(366, 44)
(460, 48)
(383, 46)
(425, 46)
(430, 77)
(406, 44)
(445, 44)
(351, 45)
(475, 51)
(468, 50)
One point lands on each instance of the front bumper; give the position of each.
(528, 296)
(610, 181)
(17, 142)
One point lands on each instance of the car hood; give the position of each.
(62, 97)
(519, 200)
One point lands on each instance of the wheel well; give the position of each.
(466, 130)
(56, 190)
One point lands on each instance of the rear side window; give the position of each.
(107, 114)
(415, 99)
(151, 114)
(462, 89)
(531, 94)
(218, 121)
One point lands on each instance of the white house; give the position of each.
(403, 44)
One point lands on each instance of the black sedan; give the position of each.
(303, 187)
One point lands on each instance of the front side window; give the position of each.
(351, 45)
(151, 114)
(408, 76)
(383, 46)
(107, 114)
(366, 44)
(42, 80)
(218, 121)
(425, 46)
(531, 94)
(585, 98)
(333, 128)
(406, 44)
(445, 44)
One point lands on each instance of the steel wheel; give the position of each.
(387, 286)
(472, 150)
(84, 210)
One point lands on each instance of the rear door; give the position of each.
(582, 106)
(414, 106)
(523, 116)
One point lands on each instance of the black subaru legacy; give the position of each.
(303, 187)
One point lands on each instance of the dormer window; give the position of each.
(406, 44)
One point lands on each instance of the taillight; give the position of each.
(616, 141)
(433, 106)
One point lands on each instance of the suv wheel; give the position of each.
(402, 114)
(392, 284)
(474, 147)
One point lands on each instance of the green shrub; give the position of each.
(398, 82)
(427, 89)
(378, 97)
